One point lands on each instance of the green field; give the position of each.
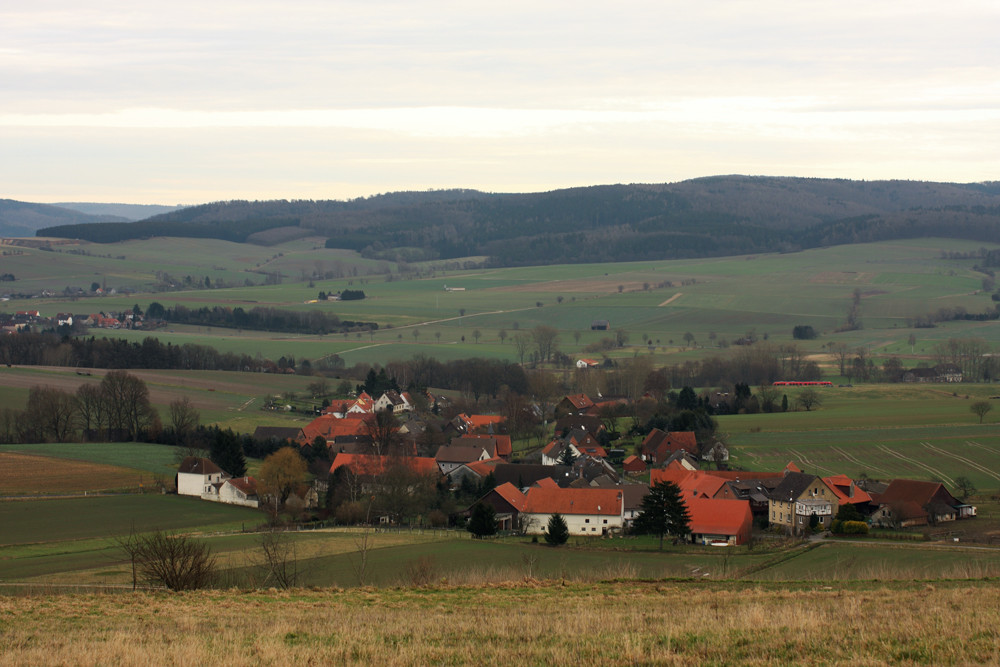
(156, 459)
(724, 297)
(880, 431)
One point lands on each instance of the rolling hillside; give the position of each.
(723, 215)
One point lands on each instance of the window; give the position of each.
(586, 520)
(605, 521)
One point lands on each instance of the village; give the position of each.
(580, 475)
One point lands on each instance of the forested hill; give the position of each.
(23, 219)
(721, 215)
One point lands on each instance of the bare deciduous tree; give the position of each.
(177, 562)
(280, 561)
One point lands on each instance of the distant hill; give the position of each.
(22, 219)
(121, 212)
(721, 215)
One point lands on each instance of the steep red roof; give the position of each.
(842, 485)
(329, 427)
(791, 467)
(718, 517)
(544, 500)
(512, 495)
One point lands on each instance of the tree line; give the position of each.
(260, 319)
(50, 349)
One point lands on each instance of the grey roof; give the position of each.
(196, 465)
(793, 485)
(458, 454)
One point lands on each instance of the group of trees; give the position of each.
(260, 319)
(49, 349)
(117, 408)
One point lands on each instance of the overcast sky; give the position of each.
(183, 102)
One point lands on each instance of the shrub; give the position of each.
(854, 528)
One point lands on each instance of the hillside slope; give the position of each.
(722, 215)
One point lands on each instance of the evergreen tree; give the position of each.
(483, 521)
(567, 458)
(663, 512)
(227, 453)
(557, 531)
(319, 448)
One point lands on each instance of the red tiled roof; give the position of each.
(330, 427)
(791, 467)
(718, 517)
(369, 464)
(692, 483)
(841, 485)
(485, 467)
(512, 495)
(248, 485)
(910, 489)
(547, 483)
(580, 401)
(545, 500)
(477, 422)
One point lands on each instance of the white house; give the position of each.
(239, 491)
(197, 477)
(450, 457)
(591, 512)
(393, 400)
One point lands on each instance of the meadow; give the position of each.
(614, 623)
(654, 303)
(877, 431)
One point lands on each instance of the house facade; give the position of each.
(592, 512)
(197, 476)
(798, 498)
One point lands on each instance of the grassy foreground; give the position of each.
(671, 623)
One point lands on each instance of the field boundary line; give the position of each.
(915, 462)
(969, 462)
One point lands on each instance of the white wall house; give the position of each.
(592, 512)
(197, 477)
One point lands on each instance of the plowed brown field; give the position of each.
(24, 474)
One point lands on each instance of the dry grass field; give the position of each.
(20, 475)
(670, 623)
